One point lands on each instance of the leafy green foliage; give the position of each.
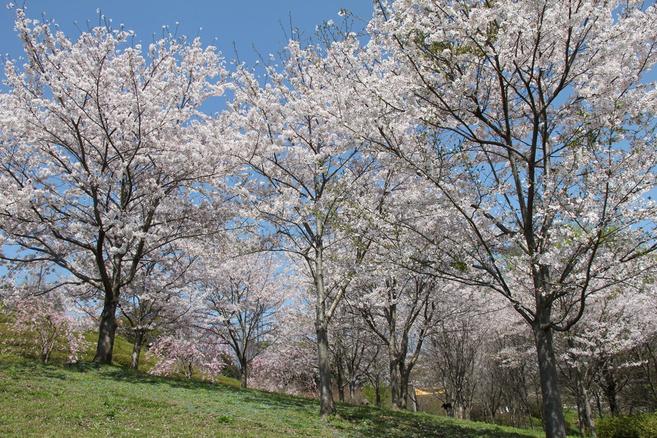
(634, 426)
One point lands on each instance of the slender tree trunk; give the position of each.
(587, 426)
(553, 419)
(598, 404)
(326, 404)
(377, 392)
(244, 370)
(136, 349)
(244, 377)
(339, 379)
(394, 382)
(106, 330)
(45, 354)
(413, 397)
(580, 413)
(610, 389)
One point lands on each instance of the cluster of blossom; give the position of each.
(46, 324)
(185, 355)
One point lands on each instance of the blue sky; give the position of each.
(248, 23)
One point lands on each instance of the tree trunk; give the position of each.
(244, 370)
(611, 390)
(45, 353)
(106, 331)
(553, 420)
(326, 404)
(404, 375)
(244, 376)
(339, 379)
(413, 397)
(394, 382)
(136, 349)
(587, 426)
(377, 391)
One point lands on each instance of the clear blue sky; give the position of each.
(248, 23)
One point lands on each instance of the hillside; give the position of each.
(38, 400)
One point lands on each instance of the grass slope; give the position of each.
(38, 400)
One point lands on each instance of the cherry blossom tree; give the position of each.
(456, 346)
(400, 309)
(355, 351)
(616, 323)
(184, 353)
(289, 364)
(103, 155)
(302, 173)
(242, 296)
(159, 299)
(45, 321)
(535, 124)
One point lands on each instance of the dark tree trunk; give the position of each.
(394, 382)
(339, 379)
(404, 375)
(326, 404)
(553, 419)
(106, 331)
(136, 349)
(45, 353)
(377, 391)
(244, 374)
(598, 404)
(610, 389)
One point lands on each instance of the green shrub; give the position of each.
(635, 426)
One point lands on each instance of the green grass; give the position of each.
(121, 355)
(89, 401)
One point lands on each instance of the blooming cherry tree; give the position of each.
(45, 321)
(301, 173)
(535, 124)
(183, 353)
(103, 159)
(241, 299)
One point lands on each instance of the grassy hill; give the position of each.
(89, 401)
(39, 400)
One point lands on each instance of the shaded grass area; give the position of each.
(90, 401)
(121, 354)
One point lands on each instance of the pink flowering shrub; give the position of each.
(177, 355)
(44, 326)
(290, 369)
(290, 363)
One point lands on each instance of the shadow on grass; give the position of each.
(30, 367)
(376, 422)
